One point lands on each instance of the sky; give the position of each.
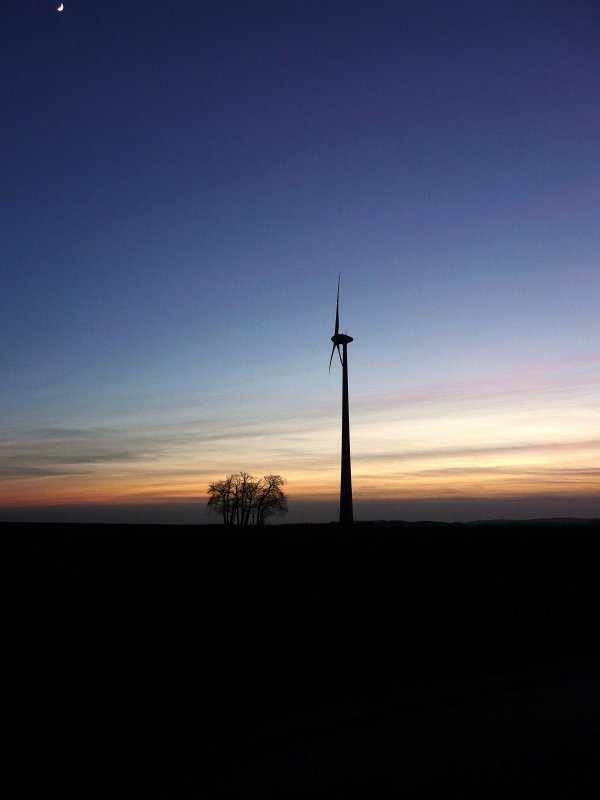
(183, 182)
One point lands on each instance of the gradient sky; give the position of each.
(182, 182)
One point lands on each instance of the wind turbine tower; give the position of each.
(346, 513)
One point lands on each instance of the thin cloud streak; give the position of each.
(549, 377)
(576, 446)
(486, 447)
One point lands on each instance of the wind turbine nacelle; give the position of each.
(341, 338)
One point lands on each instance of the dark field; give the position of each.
(411, 660)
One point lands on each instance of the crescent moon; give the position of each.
(61, 7)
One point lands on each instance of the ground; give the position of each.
(407, 660)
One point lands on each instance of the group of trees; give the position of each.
(243, 500)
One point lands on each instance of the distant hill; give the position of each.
(538, 521)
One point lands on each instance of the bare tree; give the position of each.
(271, 498)
(221, 499)
(243, 500)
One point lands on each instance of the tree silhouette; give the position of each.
(241, 499)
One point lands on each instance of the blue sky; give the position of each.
(182, 184)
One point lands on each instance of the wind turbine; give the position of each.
(346, 514)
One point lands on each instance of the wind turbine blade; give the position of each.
(331, 359)
(337, 308)
(340, 355)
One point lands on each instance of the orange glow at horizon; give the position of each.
(541, 441)
(500, 478)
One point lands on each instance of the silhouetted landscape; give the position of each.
(188, 189)
(387, 659)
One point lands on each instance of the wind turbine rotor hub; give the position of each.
(341, 338)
